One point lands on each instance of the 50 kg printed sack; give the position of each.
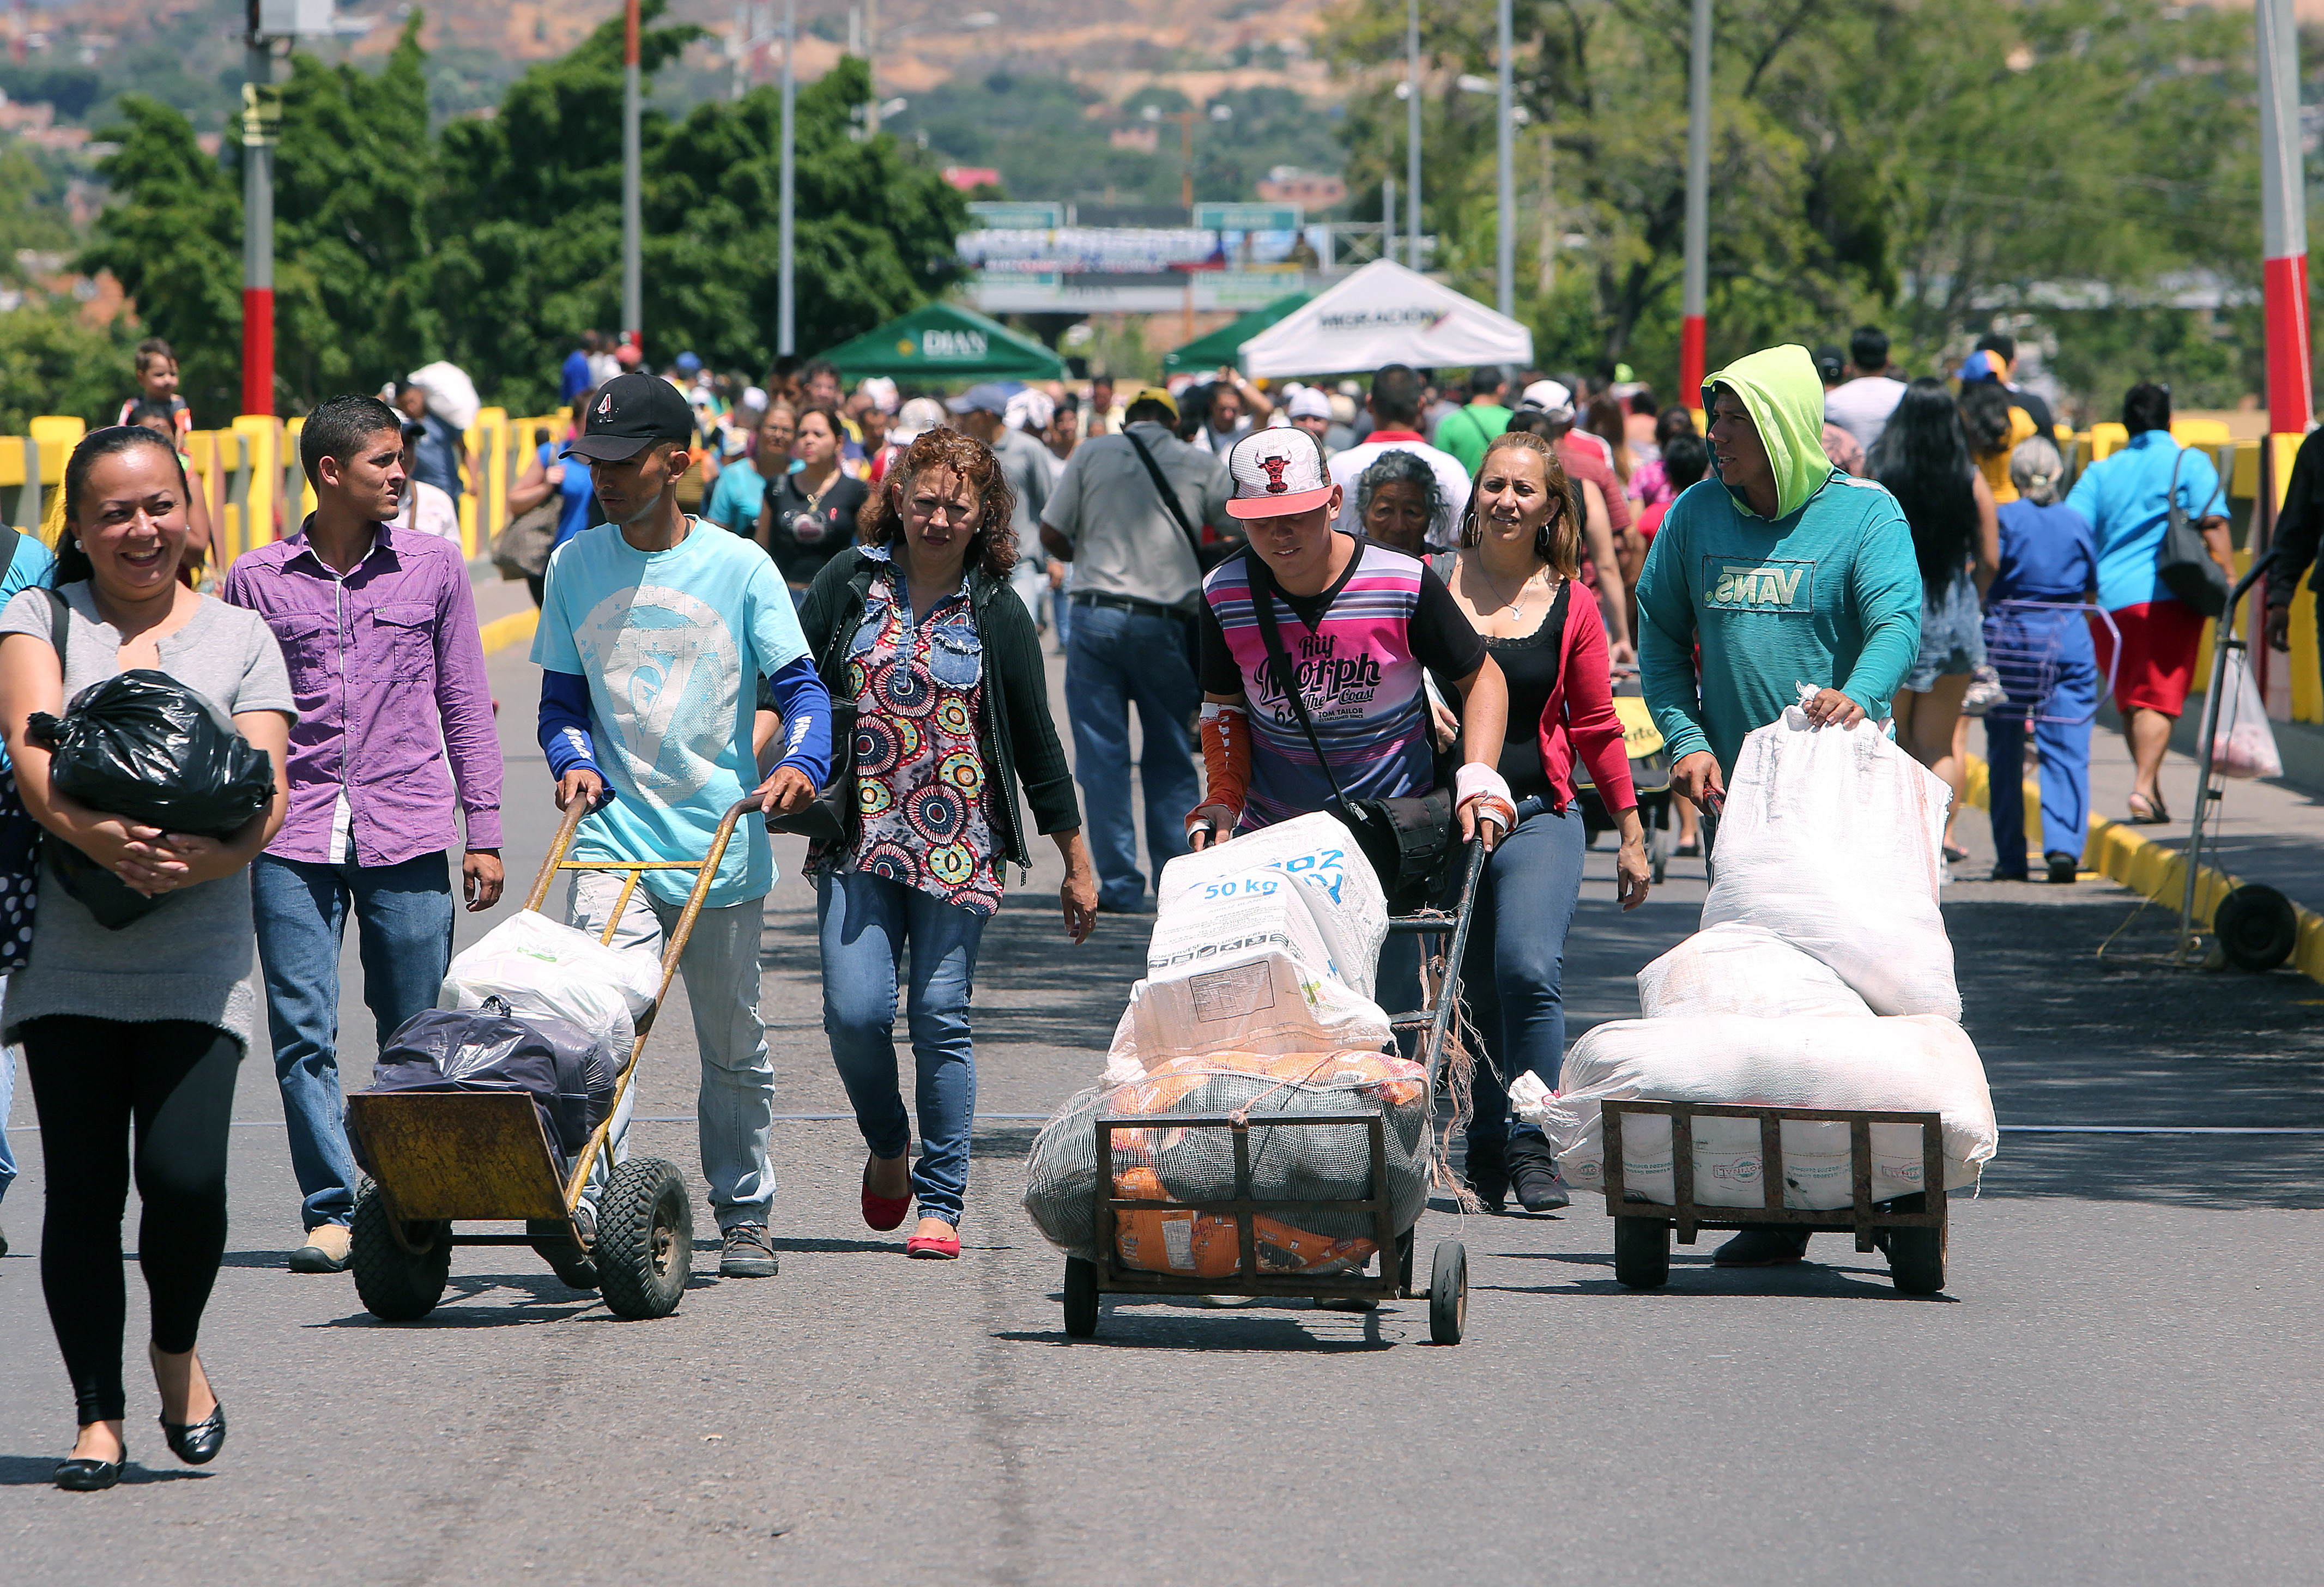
(1258, 887)
(1319, 1162)
(1917, 1063)
(549, 970)
(1831, 839)
(1738, 969)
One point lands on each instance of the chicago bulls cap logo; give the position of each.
(1275, 467)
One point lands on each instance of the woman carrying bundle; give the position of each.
(145, 1024)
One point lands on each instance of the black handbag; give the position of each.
(2182, 561)
(1405, 837)
(828, 819)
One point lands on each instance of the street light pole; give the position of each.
(2283, 220)
(870, 65)
(257, 223)
(632, 221)
(1505, 232)
(1691, 332)
(787, 307)
(1412, 129)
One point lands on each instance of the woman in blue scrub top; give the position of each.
(2049, 553)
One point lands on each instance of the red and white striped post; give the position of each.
(2283, 221)
(1691, 326)
(257, 222)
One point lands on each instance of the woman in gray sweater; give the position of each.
(147, 1023)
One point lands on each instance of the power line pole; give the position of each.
(632, 221)
(1505, 231)
(259, 109)
(786, 305)
(1690, 333)
(1412, 129)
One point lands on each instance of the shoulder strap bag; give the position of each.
(828, 820)
(2183, 562)
(1206, 556)
(1407, 837)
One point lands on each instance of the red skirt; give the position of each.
(2157, 665)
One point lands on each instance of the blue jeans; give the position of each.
(1516, 961)
(403, 933)
(1115, 659)
(865, 922)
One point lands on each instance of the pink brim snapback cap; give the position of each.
(1278, 472)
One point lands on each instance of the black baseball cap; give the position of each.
(631, 412)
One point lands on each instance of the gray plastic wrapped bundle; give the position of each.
(1318, 1162)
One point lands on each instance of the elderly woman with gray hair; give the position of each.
(2037, 639)
(1396, 499)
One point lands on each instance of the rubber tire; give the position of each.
(645, 1239)
(2257, 928)
(1641, 1253)
(393, 1284)
(574, 1267)
(1081, 1299)
(1448, 1293)
(1916, 1261)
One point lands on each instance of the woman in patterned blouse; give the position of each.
(917, 627)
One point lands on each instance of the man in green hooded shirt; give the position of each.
(1788, 571)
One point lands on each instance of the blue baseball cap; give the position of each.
(688, 363)
(988, 398)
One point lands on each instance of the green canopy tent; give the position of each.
(944, 342)
(1222, 345)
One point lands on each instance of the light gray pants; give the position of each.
(720, 968)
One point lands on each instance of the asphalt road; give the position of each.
(2120, 1385)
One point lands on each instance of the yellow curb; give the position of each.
(514, 629)
(2122, 853)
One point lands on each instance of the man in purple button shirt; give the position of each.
(380, 632)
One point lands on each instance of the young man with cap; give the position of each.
(655, 630)
(1137, 575)
(1786, 570)
(1310, 409)
(395, 729)
(1395, 404)
(1361, 627)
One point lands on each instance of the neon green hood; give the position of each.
(1779, 387)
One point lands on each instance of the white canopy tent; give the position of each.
(1385, 314)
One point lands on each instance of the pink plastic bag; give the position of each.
(2242, 742)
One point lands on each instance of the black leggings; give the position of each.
(90, 1078)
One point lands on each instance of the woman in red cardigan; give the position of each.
(1515, 577)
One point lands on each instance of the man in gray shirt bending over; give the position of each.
(1127, 515)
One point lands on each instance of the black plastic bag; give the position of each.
(143, 746)
(553, 1061)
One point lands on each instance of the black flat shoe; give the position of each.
(87, 1476)
(1487, 1173)
(2063, 867)
(1534, 1175)
(196, 1444)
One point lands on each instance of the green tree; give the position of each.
(52, 361)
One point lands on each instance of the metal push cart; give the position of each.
(1910, 1228)
(444, 1157)
(1650, 778)
(1448, 1281)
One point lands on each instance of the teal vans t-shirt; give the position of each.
(673, 644)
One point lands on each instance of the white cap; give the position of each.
(920, 415)
(1278, 472)
(1030, 409)
(1308, 403)
(882, 391)
(1550, 397)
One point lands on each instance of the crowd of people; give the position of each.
(840, 600)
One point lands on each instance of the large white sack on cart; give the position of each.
(1917, 1063)
(1738, 969)
(1262, 1002)
(1305, 1162)
(1832, 839)
(1232, 894)
(549, 970)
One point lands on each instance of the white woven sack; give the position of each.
(1212, 901)
(546, 970)
(451, 394)
(1738, 969)
(1917, 1063)
(1832, 838)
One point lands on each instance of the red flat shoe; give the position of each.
(933, 1249)
(882, 1213)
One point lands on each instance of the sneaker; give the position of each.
(1765, 1246)
(2064, 866)
(326, 1251)
(1533, 1174)
(745, 1253)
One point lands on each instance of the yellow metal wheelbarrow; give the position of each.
(444, 1157)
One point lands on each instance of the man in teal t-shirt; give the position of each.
(655, 630)
(1787, 571)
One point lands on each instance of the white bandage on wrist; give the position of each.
(1212, 709)
(1477, 778)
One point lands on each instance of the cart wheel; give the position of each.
(1081, 1299)
(394, 1284)
(554, 1246)
(645, 1239)
(1642, 1252)
(1448, 1293)
(1916, 1261)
